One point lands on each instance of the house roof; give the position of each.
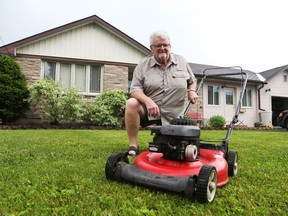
(10, 48)
(270, 73)
(198, 70)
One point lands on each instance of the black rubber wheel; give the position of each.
(232, 163)
(112, 162)
(183, 121)
(286, 124)
(207, 184)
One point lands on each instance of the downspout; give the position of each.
(259, 99)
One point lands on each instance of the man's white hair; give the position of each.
(161, 34)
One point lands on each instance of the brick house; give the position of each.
(89, 53)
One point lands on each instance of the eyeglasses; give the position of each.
(158, 46)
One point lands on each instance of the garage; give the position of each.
(278, 105)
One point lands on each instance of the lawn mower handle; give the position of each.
(235, 117)
(197, 90)
(219, 75)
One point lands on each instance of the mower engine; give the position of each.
(176, 142)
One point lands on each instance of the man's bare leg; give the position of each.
(133, 112)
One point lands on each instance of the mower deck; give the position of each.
(155, 163)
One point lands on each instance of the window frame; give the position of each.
(232, 90)
(249, 101)
(89, 79)
(52, 70)
(213, 95)
(285, 78)
(85, 78)
(88, 68)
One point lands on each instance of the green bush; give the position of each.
(257, 124)
(217, 121)
(14, 92)
(108, 108)
(55, 103)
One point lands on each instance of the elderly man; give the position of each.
(161, 82)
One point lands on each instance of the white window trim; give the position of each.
(285, 78)
(219, 96)
(73, 66)
(251, 99)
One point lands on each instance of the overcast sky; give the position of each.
(252, 34)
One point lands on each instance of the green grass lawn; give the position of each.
(61, 172)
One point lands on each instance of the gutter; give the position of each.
(259, 99)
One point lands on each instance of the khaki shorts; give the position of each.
(146, 121)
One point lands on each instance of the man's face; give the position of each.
(161, 49)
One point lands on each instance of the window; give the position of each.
(213, 95)
(285, 79)
(86, 78)
(65, 75)
(80, 77)
(229, 96)
(95, 79)
(50, 70)
(247, 98)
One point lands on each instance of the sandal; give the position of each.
(132, 149)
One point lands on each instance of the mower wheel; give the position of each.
(112, 162)
(232, 163)
(207, 184)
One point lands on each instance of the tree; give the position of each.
(14, 92)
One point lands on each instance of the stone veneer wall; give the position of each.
(31, 68)
(198, 108)
(115, 77)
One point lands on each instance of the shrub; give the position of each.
(108, 108)
(257, 124)
(14, 92)
(55, 103)
(72, 101)
(217, 121)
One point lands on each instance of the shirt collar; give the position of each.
(173, 60)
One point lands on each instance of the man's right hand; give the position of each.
(152, 108)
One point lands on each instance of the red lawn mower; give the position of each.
(177, 160)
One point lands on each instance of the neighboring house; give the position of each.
(94, 56)
(219, 96)
(274, 95)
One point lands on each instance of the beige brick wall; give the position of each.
(31, 68)
(115, 77)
